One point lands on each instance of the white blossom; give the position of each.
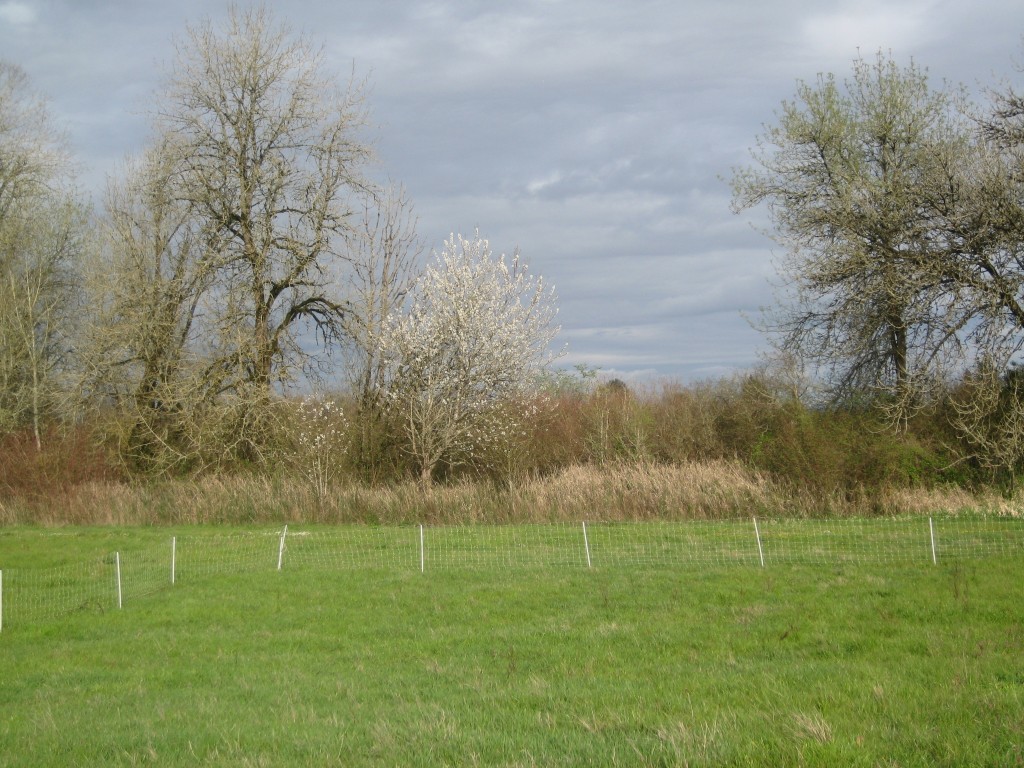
(476, 334)
(321, 442)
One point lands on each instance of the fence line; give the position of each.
(28, 595)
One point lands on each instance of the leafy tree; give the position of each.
(903, 223)
(987, 266)
(463, 361)
(860, 179)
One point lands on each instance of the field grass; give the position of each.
(843, 664)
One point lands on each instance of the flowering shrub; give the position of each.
(474, 338)
(321, 441)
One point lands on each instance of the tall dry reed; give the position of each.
(696, 490)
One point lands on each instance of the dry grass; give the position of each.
(698, 490)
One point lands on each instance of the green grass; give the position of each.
(848, 664)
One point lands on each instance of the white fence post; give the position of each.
(280, 549)
(423, 561)
(586, 544)
(174, 556)
(760, 550)
(931, 533)
(117, 563)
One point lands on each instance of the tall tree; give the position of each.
(988, 233)
(43, 226)
(230, 234)
(144, 351)
(267, 155)
(859, 179)
(985, 236)
(385, 254)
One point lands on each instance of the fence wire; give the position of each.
(37, 594)
(30, 595)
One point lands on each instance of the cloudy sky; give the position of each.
(598, 136)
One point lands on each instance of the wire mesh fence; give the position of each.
(387, 548)
(198, 556)
(38, 594)
(29, 595)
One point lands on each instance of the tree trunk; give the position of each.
(426, 475)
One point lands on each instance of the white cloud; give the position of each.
(539, 185)
(17, 14)
(868, 28)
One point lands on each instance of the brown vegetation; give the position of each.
(699, 490)
(730, 448)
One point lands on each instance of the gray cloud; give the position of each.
(593, 135)
(17, 14)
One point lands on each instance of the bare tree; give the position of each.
(33, 156)
(42, 237)
(225, 243)
(266, 154)
(988, 413)
(385, 254)
(144, 351)
(467, 352)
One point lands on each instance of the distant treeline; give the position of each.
(820, 457)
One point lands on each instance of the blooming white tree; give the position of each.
(463, 360)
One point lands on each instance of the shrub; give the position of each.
(69, 458)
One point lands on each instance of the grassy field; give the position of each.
(844, 664)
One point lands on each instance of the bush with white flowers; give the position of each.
(470, 345)
(321, 441)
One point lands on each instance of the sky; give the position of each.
(597, 136)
